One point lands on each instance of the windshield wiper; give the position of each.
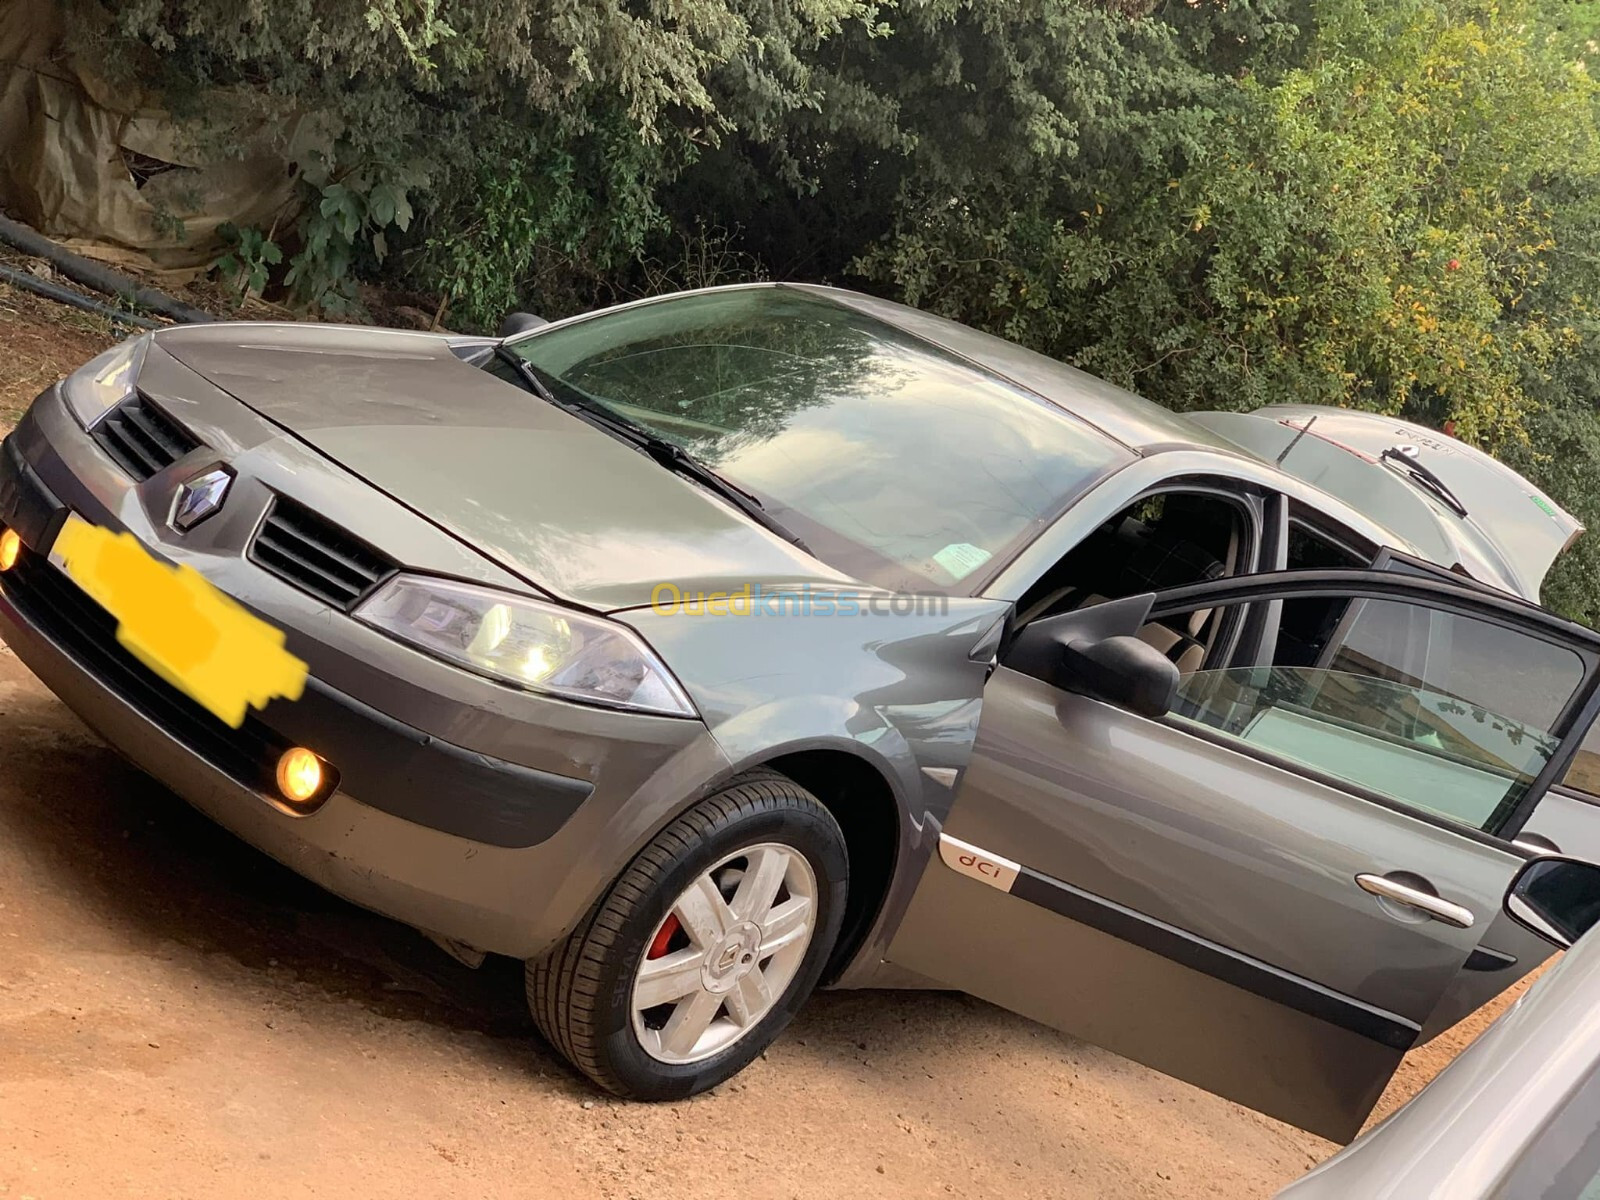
(669, 454)
(1412, 468)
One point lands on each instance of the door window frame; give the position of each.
(1324, 529)
(1464, 599)
(1256, 529)
(1175, 471)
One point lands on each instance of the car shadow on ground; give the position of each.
(111, 846)
(107, 838)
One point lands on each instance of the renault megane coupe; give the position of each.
(715, 647)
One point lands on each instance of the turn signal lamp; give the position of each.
(10, 547)
(300, 775)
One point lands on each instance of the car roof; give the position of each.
(1141, 425)
(1514, 532)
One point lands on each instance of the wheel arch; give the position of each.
(864, 803)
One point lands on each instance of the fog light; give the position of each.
(10, 547)
(300, 774)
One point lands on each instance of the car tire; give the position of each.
(658, 925)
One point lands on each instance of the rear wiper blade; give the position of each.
(669, 454)
(1412, 468)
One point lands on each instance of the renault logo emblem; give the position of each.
(200, 497)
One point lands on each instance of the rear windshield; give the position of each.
(894, 461)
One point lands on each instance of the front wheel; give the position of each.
(703, 949)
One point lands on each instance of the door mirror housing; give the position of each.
(1557, 898)
(519, 322)
(1120, 670)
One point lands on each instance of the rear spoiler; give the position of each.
(1509, 525)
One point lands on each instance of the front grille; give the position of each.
(141, 438)
(311, 552)
(67, 615)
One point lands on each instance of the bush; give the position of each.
(531, 137)
(1393, 204)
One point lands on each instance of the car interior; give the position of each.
(1158, 542)
(1305, 626)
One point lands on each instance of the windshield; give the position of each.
(892, 460)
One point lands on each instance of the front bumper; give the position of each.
(386, 764)
(502, 855)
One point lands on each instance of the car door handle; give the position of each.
(1535, 843)
(1414, 897)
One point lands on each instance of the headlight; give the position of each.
(526, 642)
(105, 381)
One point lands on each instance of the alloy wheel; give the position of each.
(725, 953)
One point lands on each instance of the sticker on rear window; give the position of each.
(961, 558)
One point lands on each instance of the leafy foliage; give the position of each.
(585, 108)
(547, 221)
(1359, 229)
(250, 255)
(1393, 204)
(348, 216)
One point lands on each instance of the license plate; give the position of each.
(64, 537)
(176, 622)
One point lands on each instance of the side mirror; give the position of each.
(519, 322)
(1557, 898)
(1120, 670)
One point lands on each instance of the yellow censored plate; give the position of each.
(179, 625)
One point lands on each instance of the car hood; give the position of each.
(564, 505)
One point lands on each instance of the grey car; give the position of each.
(1514, 1117)
(714, 647)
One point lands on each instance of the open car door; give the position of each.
(1267, 889)
(1566, 820)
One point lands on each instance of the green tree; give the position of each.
(563, 118)
(1393, 204)
(1363, 227)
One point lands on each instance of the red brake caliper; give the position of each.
(658, 947)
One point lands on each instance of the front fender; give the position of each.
(799, 723)
(899, 690)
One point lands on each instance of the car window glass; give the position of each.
(1447, 713)
(1309, 550)
(891, 459)
(1583, 772)
(1305, 626)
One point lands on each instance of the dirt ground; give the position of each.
(39, 342)
(181, 1017)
